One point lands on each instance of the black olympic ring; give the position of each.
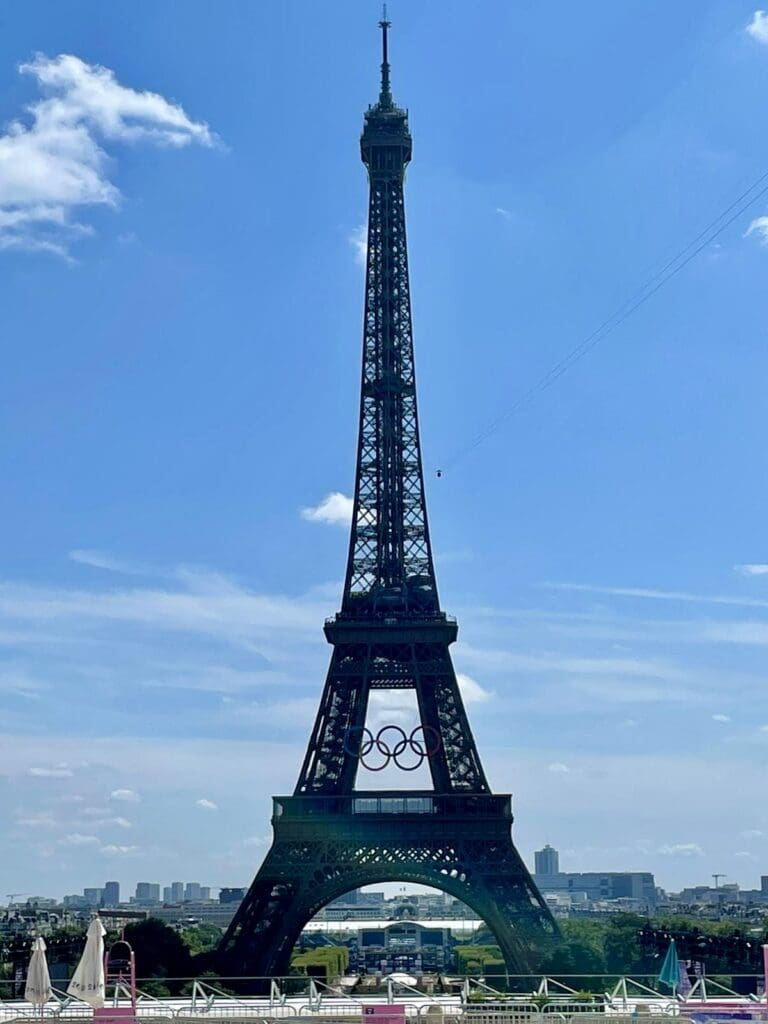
(359, 742)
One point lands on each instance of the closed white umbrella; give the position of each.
(38, 988)
(88, 980)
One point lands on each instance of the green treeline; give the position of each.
(324, 962)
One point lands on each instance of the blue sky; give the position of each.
(181, 310)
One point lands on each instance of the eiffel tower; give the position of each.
(390, 634)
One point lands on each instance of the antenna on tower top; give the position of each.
(385, 94)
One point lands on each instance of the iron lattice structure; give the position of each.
(389, 634)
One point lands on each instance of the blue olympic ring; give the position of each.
(360, 741)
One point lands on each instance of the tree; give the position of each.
(202, 938)
(160, 952)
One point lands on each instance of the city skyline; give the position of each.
(177, 493)
(541, 858)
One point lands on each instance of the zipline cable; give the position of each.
(670, 269)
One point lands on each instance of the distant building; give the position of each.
(192, 891)
(147, 892)
(638, 886)
(177, 892)
(547, 861)
(93, 897)
(764, 884)
(168, 894)
(231, 895)
(721, 896)
(41, 903)
(75, 903)
(209, 912)
(111, 894)
(205, 892)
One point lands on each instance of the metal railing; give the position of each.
(461, 1000)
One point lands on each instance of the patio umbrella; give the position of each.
(402, 979)
(88, 980)
(38, 988)
(670, 969)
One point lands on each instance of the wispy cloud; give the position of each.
(753, 568)
(206, 805)
(335, 508)
(680, 850)
(53, 165)
(102, 560)
(61, 771)
(558, 768)
(758, 27)
(41, 819)
(117, 822)
(125, 795)
(660, 595)
(78, 839)
(358, 239)
(471, 691)
(721, 718)
(571, 665)
(759, 227)
(204, 602)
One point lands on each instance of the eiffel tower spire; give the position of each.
(390, 568)
(385, 95)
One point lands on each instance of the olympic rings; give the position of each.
(359, 742)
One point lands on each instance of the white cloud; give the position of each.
(257, 841)
(387, 707)
(335, 508)
(78, 839)
(358, 239)
(111, 849)
(558, 768)
(721, 718)
(758, 27)
(118, 822)
(128, 796)
(502, 211)
(54, 165)
(759, 227)
(745, 855)
(660, 595)
(680, 850)
(751, 833)
(206, 805)
(61, 771)
(100, 560)
(43, 819)
(471, 690)
(753, 568)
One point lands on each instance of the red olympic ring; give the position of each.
(360, 741)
